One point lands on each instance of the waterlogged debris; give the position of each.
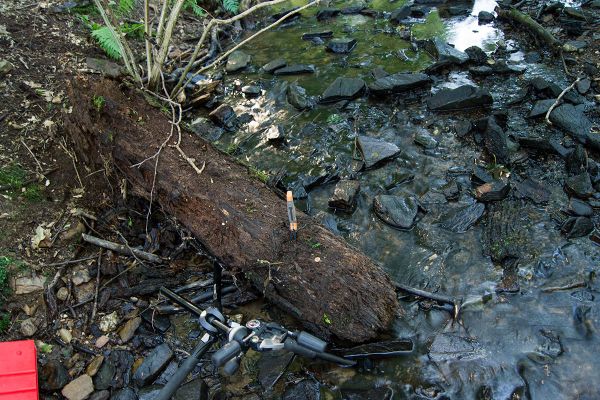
(341, 46)
(400, 82)
(237, 61)
(461, 219)
(343, 89)
(375, 151)
(462, 97)
(397, 211)
(344, 195)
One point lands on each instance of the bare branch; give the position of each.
(560, 96)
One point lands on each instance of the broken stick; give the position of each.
(119, 248)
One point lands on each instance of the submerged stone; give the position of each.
(296, 69)
(462, 97)
(451, 346)
(343, 89)
(224, 116)
(327, 13)
(274, 65)
(397, 211)
(297, 97)
(341, 46)
(398, 83)
(459, 220)
(344, 195)
(375, 150)
(424, 138)
(237, 61)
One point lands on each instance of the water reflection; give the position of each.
(467, 32)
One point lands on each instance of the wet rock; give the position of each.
(344, 195)
(375, 150)
(450, 190)
(275, 133)
(459, 220)
(195, 389)
(576, 162)
(128, 329)
(28, 327)
(445, 53)
(572, 120)
(270, 365)
(533, 191)
(579, 207)
(125, 394)
(79, 389)
(296, 69)
(341, 46)
(320, 35)
(485, 17)
(109, 322)
(94, 365)
(463, 128)
(424, 138)
(251, 91)
(460, 98)
(379, 72)
(343, 89)
(583, 86)
(237, 61)
(552, 90)
(480, 175)
(540, 108)
(153, 365)
(494, 191)
(399, 83)
(101, 395)
(28, 284)
(297, 97)
(397, 211)
(495, 141)
(5, 67)
(160, 323)
(451, 346)
(419, 11)
(476, 55)
(274, 65)
(224, 116)
(53, 376)
(304, 390)
(400, 14)
(575, 227)
(498, 68)
(103, 378)
(579, 185)
(327, 13)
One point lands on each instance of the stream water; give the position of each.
(531, 344)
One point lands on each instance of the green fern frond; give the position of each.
(232, 6)
(126, 6)
(108, 42)
(133, 29)
(194, 7)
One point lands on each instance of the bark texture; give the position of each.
(335, 290)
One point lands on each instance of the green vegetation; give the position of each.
(433, 27)
(98, 102)
(261, 175)
(326, 319)
(5, 262)
(12, 176)
(335, 119)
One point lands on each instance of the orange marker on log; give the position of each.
(291, 209)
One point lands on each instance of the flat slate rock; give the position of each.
(297, 97)
(579, 185)
(572, 120)
(397, 211)
(463, 97)
(533, 191)
(343, 89)
(313, 35)
(327, 13)
(153, 365)
(341, 45)
(237, 61)
(451, 346)
(493, 191)
(274, 65)
(575, 227)
(400, 82)
(459, 220)
(540, 108)
(375, 150)
(296, 69)
(445, 53)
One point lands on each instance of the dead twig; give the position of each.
(569, 286)
(558, 99)
(95, 307)
(119, 248)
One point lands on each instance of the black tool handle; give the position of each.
(182, 372)
(226, 353)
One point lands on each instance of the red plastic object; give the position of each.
(18, 371)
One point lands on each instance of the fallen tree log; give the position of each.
(334, 290)
(513, 15)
